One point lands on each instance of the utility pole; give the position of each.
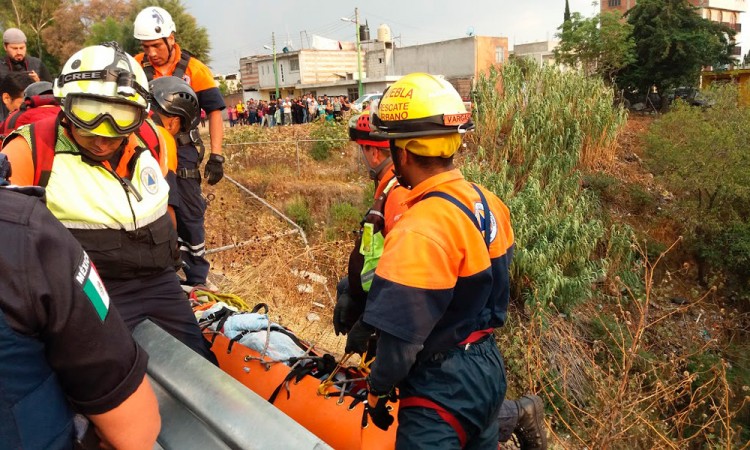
(359, 52)
(275, 65)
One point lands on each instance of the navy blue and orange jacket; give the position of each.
(437, 282)
(197, 75)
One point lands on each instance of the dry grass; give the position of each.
(628, 388)
(265, 267)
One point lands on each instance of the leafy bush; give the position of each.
(344, 219)
(299, 211)
(329, 136)
(701, 156)
(532, 135)
(605, 186)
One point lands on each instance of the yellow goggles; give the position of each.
(110, 118)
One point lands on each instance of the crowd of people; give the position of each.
(288, 111)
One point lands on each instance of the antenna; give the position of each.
(289, 45)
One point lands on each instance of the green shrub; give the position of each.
(605, 186)
(239, 135)
(328, 136)
(700, 155)
(299, 211)
(344, 218)
(641, 201)
(532, 138)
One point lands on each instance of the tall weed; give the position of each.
(536, 127)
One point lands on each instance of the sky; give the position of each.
(240, 28)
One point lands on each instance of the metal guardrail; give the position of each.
(203, 407)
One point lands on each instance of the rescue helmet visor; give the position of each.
(110, 118)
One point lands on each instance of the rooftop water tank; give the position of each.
(384, 33)
(364, 33)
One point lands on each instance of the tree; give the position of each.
(74, 22)
(600, 45)
(78, 23)
(566, 16)
(672, 43)
(223, 86)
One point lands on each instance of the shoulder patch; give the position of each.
(149, 180)
(88, 278)
(479, 213)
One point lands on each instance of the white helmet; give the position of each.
(153, 23)
(103, 90)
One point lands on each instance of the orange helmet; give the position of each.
(359, 131)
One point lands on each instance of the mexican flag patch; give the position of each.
(88, 278)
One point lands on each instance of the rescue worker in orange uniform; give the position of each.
(380, 218)
(107, 186)
(524, 416)
(442, 283)
(163, 57)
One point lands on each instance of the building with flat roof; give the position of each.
(326, 71)
(542, 52)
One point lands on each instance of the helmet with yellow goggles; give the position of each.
(420, 104)
(103, 90)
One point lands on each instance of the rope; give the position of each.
(214, 297)
(323, 388)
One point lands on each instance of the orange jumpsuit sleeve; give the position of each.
(21, 163)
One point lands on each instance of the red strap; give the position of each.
(43, 138)
(475, 336)
(147, 134)
(419, 402)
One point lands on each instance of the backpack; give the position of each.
(29, 112)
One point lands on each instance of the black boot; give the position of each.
(530, 429)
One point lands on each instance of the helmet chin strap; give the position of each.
(397, 165)
(169, 49)
(374, 172)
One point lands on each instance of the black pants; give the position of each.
(160, 299)
(469, 383)
(190, 213)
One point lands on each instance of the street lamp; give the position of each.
(275, 66)
(359, 55)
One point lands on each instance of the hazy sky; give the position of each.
(242, 27)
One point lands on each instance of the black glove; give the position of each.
(347, 310)
(214, 170)
(359, 336)
(5, 171)
(378, 410)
